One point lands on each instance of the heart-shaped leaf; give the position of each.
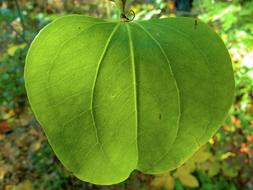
(115, 97)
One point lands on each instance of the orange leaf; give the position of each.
(3, 127)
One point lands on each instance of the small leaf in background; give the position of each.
(228, 170)
(4, 168)
(250, 138)
(9, 114)
(181, 171)
(8, 187)
(244, 148)
(165, 180)
(236, 121)
(184, 173)
(189, 166)
(35, 145)
(26, 185)
(201, 156)
(185, 176)
(12, 49)
(213, 169)
(189, 180)
(226, 155)
(4, 127)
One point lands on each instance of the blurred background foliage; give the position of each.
(26, 159)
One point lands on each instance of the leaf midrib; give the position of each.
(134, 85)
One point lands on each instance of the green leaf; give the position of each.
(185, 176)
(115, 97)
(13, 48)
(189, 180)
(200, 156)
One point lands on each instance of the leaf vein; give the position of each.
(94, 86)
(207, 61)
(172, 74)
(52, 63)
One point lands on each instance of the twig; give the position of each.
(21, 18)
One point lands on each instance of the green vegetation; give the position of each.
(28, 162)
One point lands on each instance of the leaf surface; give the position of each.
(115, 97)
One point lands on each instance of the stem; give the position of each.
(122, 5)
(21, 18)
(123, 16)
